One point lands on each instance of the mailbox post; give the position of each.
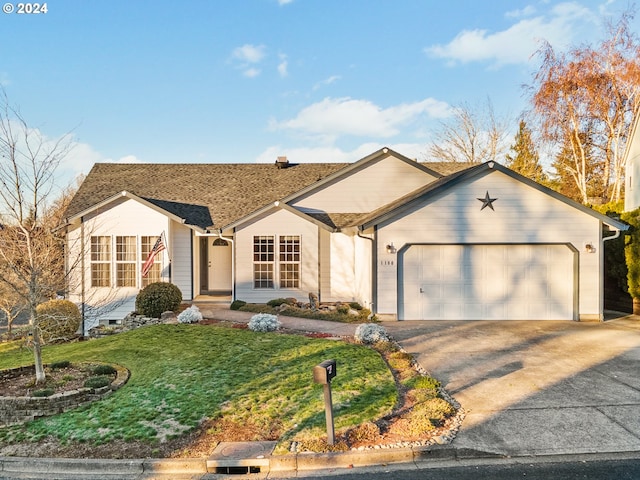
(322, 374)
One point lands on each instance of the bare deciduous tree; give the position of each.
(471, 134)
(29, 250)
(591, 94)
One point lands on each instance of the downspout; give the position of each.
(233, 263)
(373, 270)
(82, 275)
(605, 239)
(612, 237)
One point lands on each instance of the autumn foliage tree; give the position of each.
(31, 254)
(584, 101)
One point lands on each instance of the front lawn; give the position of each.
(182, 375)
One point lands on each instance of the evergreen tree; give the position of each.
(524, 158)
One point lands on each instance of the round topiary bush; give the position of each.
(58, 320)
(158, 297)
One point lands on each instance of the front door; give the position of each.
(218, 265)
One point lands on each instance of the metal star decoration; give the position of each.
(487, 201)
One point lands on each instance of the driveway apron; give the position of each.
(536, 388)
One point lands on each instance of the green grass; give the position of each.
(183, 374)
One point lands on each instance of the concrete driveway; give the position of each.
(536, 388)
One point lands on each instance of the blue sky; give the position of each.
(248, 80)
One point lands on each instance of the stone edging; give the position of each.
(18, 410)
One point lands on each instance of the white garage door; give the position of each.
(487, 282)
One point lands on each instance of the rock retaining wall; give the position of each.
(18, 410)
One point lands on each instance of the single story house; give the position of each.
(408, 240)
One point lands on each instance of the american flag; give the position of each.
(157, 248)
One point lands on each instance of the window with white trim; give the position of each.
(289, 261)
(126, 261)
(285, 266)
(263, 261)
(100, 261)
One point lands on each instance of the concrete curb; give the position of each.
(277, 463)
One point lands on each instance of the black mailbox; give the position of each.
(324, 372)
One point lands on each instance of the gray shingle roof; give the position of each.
(205, 195)
(209, 195)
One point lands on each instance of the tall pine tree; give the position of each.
(524, 158)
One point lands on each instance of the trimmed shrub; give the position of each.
(355, 305)
(45, 392)
(343, 309)
(60, 365)
(58, 320)
(371, 333)
(435, 409)
(104, 370)
(365, 432)
(158, 297)
(400, 360)
(264, 322)
(237, 304)
(190, 315)
(276, 302)
(97, 382)
(424, 382)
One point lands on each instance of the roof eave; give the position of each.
(276, 205)
(131, 196)
(480, 169)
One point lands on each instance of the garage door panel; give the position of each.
(468, 282)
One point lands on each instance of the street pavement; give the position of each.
(529, 389)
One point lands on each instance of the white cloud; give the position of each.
(517, 43)
(327, 81)
(335, 117)
(335, 154)
(283, 66)
(523, 12)
(249, 53)
(251, 72)
(248, 56)
(284, 2)
(5, 81)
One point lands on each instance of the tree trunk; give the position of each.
(37, 347)
(636, 306)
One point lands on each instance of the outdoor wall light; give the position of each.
(391, 248)
(589, 248)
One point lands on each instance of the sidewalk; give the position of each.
(529, 388)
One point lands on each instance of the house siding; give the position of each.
(181, 258)
(367, 189)
(122, 217)
(277, 222)
(522, 215)
(632, 178)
